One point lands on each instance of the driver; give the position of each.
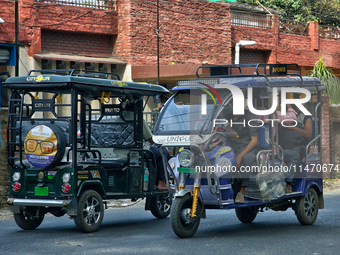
(243, 140)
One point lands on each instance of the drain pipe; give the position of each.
(237, 49)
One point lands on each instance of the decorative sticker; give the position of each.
(222, 150)
(95, 174)
(41, 146)
(119, 83)
(38, 78)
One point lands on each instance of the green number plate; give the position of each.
(186, 170)
(41, 191)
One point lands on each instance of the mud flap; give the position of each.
(72, 207)
(321, 201)
(148, 204)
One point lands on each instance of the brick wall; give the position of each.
(290, 48)
(185, 36)
(36, 16)
(251, 56)
(7, 29)
(76, 43)
(191, 32)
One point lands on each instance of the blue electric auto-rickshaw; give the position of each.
(203, 169)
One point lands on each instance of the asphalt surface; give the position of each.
(132, 230)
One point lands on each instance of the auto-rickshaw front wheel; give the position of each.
(181, 222)
(90, 211)
(307, 207)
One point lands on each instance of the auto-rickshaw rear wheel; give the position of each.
(181, 222)
(28, 220)
(246, 214)
(90, 211)
(161, 206)
(307, 207)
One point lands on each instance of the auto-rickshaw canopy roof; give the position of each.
(310, 83)
(251, 75)
(94, 83)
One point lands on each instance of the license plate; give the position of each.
(41, 191)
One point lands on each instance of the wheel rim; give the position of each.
(163, 206)
(187, 221)
(310, 205)
(29, 218)
(91, 211)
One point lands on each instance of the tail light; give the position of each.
(66, 188)
(16, 186)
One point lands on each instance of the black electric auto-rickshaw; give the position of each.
(65, 131)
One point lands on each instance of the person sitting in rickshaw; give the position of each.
(243, 140)
(290, 157)
(303, 131)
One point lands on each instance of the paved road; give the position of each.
(132, 230)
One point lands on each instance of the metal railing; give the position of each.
(327, 32)
(293, 27)
(97, 4)
(246, 19)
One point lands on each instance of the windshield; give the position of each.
(184, 114)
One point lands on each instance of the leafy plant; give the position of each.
(326, 12)
(329, 79)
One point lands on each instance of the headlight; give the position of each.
(186, 158)
(16, 176)
(66, 177)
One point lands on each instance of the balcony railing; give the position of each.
(246, 19)
(293, 27)
(327, 32)
(97, 4)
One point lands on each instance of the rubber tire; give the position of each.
(158, 212)
(26, 222)
(246, 214)
(177, 224)
(79, 220)
(301, 213)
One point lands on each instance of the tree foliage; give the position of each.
(326, 12)
(329, 79)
